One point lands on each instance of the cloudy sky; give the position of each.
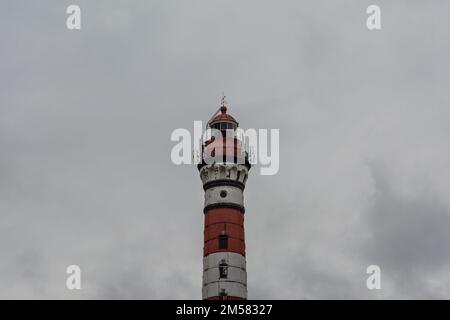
(85, 123)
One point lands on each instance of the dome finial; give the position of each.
(223, 104)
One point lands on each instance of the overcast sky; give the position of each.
(85, 123)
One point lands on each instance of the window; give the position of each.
(223, 126)
(231, 126)
(223, 269)
(223, 241)
(223, 193)
(223, 294)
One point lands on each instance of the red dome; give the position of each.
(223, 116)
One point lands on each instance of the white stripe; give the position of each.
(232, 195)
(231, 258)
(231, 288)
(234, 274)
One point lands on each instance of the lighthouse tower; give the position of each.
(224, 266)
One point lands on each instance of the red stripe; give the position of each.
(231, 229)
(224, 220)
(234, 245)
(221, 215)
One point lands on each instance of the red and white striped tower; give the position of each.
(224, 266)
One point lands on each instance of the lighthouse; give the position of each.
(224, 179)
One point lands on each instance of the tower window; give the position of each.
(223, 270)
(223, 241)
(223, 294)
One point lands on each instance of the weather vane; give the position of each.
(224, 102)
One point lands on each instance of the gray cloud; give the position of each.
(409, 237)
